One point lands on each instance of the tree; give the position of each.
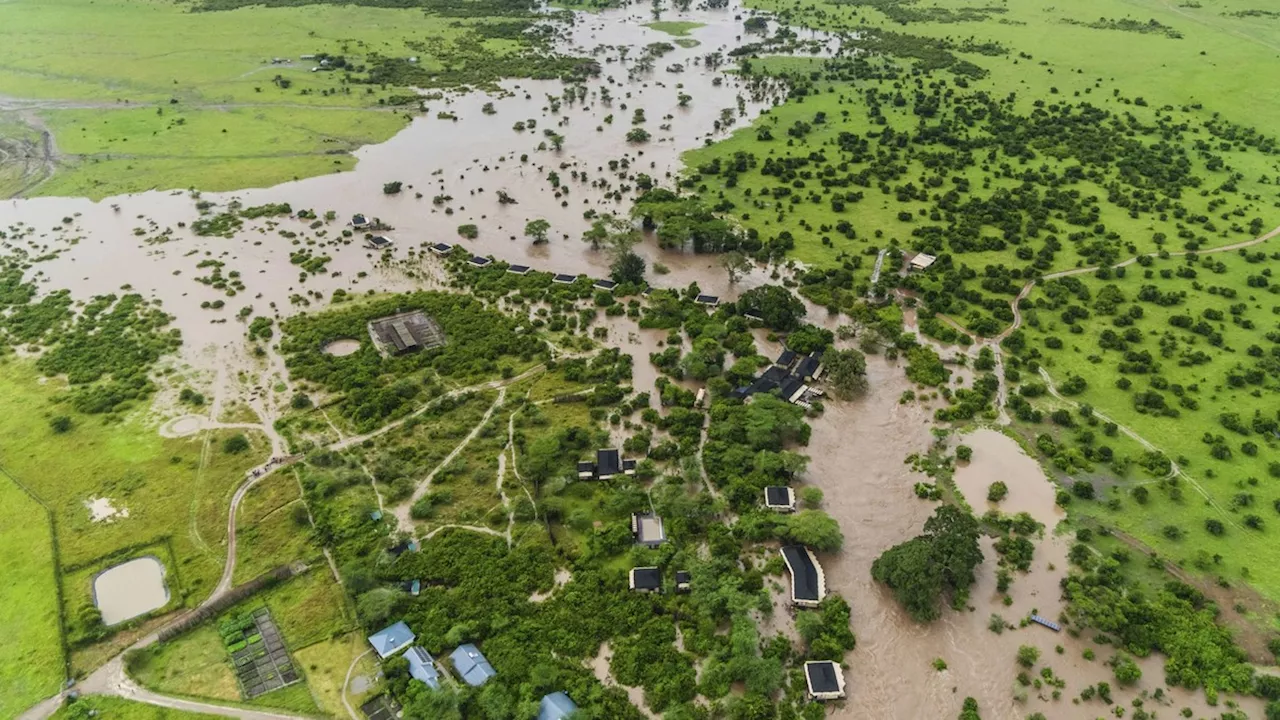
(997, 491)
(627, 268)
(970, 710)
(1028, 655)
(846, 372)
(377, 605)
(638, 135)
(542, 457)
(392, 188)
(813, 528)
(735, 264)
(537, 229)
(942, 559)
(469, 231)
(1126, 670)
(777, 306)
(811, 496)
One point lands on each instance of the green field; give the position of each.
(677, 28)
(143, 94)
(31, 663)
(176, 491)
(114, 708)
(271, 528)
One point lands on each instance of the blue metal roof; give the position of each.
(556, 706)
(423, 667)
(391, 639)
(471, 665)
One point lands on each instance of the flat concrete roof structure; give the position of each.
(647, 529)
(441, 248)
(518, 269)
(711, 300)
(406, 332)
(824, 679)
(480, 261)
(808, 583)
(605, 285)
(378, 242)
(921, 261)
(564, 278)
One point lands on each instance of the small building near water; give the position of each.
(780, 498)
(824, 679)
(808, 583)
(608, 464)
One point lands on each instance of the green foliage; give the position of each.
(970, 709)
(469, 231)
(997, 491)
(1028, 655)
(942, 560)
(60, 424)
(846, 372)
(235, 444)
(780, 309)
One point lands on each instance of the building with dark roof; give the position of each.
(441, 248)
(780, 498)
(824, 679)
(359, 221)
(564, 278)
(518, 269)
(753, 315)
(480, 261)
(710, 300)
(787, 358)
(406, 332)
(423, 667)
(605, 285)
(646, 579)
(647, 529)
(471, 665)
(684, 581)
(608, 464)
(809, 368)
(791, 389)
(377, 242)
(808, 583)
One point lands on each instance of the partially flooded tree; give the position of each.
(735, 264)
(537, 229)
(846, 372)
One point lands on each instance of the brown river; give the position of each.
(858, 448)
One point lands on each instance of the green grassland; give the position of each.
(128, 70)
(272, 528)
(326, 664)
(309, 610)
(176, 491)
(1201, 390)
(31, 663)
(114, 708)
(677, 28)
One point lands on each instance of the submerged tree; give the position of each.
(537, 229)
(941, 560)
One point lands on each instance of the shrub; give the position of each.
(235, 444)
(997, 491)
(1028, 655)
(60, 424)
(964, 453)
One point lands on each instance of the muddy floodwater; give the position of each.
(858, 450)
(130, 589)
(342, 348)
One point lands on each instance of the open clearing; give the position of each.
(31, 664)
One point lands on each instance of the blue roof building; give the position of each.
(423, 667)
(471, 665)
(556, 706)
(391, 639)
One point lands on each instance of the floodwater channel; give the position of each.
(858, 448)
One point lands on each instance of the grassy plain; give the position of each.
(114, 708)
(127, 70)
(309, 610)
(676, 28)
(31, 663)
(176, 491)
(326, 664)
(267, 533)
(1198, 370)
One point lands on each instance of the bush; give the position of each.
(997, 491)
(235, 444)
(60, 424)
(1028, 655)
(964, 453)
(392, 188)
(469, 231)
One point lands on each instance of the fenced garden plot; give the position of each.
(258, 654)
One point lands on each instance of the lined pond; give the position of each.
(130, 589)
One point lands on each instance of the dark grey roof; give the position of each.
(379, 241)
(606, 284)
(762, 385)
(777, 495)
(586, 466)
(646, 578)
(823, 676)
(479, 261)
(518, 269)
(740, 392)
(789, 387)
(787, 357)
(707, 300)
(564, 278)
(628, 465)
(807, 367)
(684, 576)
(774, 373)
(608, 462)
(804, 575)
(442, 247)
